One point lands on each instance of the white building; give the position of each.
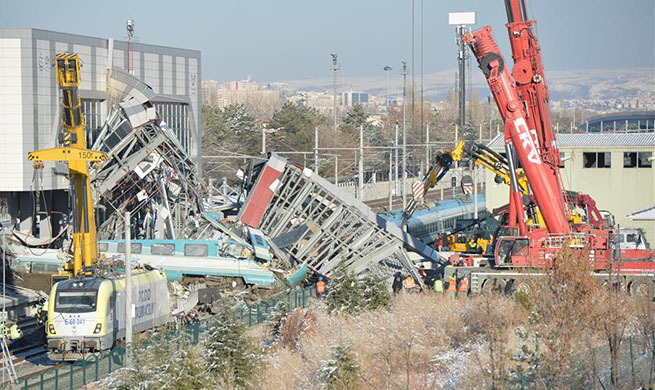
(30, 108)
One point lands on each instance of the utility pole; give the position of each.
(336, 169)
(360, 186)
(397, 164)
(475, 191)
(413, 123)
(316, 149)
(421, 70)
(390, 181)
(403, 189)
(461, 57)
(335, 68)
(427, 146)
(128, 290)
(263, 138)
(388, 70)
(460, 20)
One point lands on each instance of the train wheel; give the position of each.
(518, 286)
(494, 286)
(523, 286)
(639, 289)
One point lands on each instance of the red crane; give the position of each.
(522, 99)
(523, 137)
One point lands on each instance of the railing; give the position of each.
(98, 366)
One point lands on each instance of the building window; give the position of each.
(637, 159)
(597, 159)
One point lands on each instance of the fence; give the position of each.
(274, 307)
(98, 366)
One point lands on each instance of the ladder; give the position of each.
(7, 362)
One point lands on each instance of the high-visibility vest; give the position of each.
(409, 282)
(452, 284)
(15, 332)
(463, 285)
(438, 286)
(320, 287)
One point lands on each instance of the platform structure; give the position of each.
(318, 224)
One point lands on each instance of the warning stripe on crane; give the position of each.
(417, 189)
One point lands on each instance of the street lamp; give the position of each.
(387, 69)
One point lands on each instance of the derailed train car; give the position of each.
(88, 315)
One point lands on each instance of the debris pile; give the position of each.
(149, 172)
(313, 222)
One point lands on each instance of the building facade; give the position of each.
(30, 105)
(616, 169)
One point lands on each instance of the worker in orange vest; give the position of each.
(320, 287)
(463, 286)
(409, 283)
(452, 286)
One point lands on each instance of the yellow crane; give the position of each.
(74, 151)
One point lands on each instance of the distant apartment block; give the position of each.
(257, 96)
(352, 98)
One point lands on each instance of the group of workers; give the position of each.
(455, 286)
(403, 281)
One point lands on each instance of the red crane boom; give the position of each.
(540, 174)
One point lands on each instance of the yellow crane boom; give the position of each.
(74, 151)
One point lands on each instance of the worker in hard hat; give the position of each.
(438, 285)
(14, 332)
(409, 283)
(452, 286)
(397, 284)
(320, 287)
(463, 287)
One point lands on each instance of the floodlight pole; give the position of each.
(404, 173)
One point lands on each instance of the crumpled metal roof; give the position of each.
(564, 140)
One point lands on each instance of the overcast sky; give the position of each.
(292, 39)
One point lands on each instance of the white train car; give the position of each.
(87, 315)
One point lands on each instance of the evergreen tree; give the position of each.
(357, 117)
(343, 293)
(295, 124)
(341, 371)
(348, 294)
(164, 361)
(230, 129)
(374, 292)
(238, 119)
(230, 353)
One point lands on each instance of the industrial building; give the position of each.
(616, 169)
(30, 106)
